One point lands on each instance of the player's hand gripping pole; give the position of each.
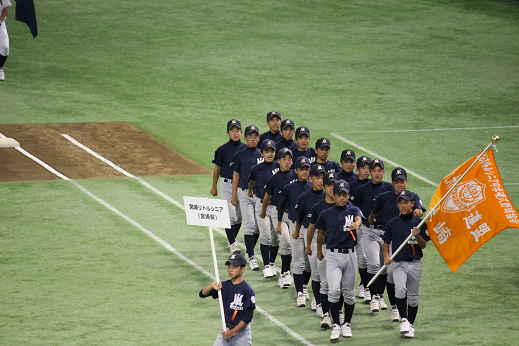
(217, 277)
(433, 210)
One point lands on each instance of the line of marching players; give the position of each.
(325, 220)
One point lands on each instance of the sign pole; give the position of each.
(217, 277)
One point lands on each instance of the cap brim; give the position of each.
(400, 176)
(407, 198)
(342, 189)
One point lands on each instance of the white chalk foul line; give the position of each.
(441, 129)
(154, 237)
(384, 159)
(159, 240)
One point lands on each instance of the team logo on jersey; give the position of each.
(464, 197)
(259, 160)
(253, 299)
(348, 220)
(237, 304)
(412, 240)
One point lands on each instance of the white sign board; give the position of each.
(207, 212)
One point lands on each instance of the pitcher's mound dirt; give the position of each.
(121, 143)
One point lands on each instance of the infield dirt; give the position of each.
(122, 143)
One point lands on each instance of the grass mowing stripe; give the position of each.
(154, 237)
(384, 159)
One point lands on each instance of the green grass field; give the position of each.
(424, 84)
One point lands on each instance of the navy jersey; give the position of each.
(304, 204)
(276, 183)
(276, 137)
(310, 153)
(242, 163)
(289, 195)
(349, 177)
(398, 229)
(365, 197)
(223, 157)
(282, 143)
(260, 174)
(236, 298)
(354, 185)
(336, 222)
(331, 166)
(386, 207)
(317, 209)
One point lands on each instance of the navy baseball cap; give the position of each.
(236, 259)
(340, 186)
(283, 152)
(302, 161)
(406, 194)
(233, 122)
(302, 131)
(375, 162)
(316, 170)
(273, 114)
(268, 143)
(250, 129)
(361, 161)
(330, 177)
(287, 122)
(348, 154)
(398, 173)
(322, 142)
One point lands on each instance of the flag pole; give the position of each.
(217, 278)
(494, 141)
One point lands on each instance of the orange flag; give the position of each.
(477, 209)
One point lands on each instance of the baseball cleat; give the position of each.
(305, 292)
(301, 301)
(374, 304)
(410, 333)
(2, 74)
(319, 310)
(253, 263)
(287, 280)
(326, 323)
(382, 303)
(346, 330)
(267, 272)
(395, 316)
(367, 295)
(235, 248)
(313, 304)
(336, 333)
(281, 280)
(404, 326)
(360, 291)
(274, 269)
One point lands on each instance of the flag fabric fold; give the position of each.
(25, 12)
(477, 209)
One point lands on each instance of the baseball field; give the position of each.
(119, 107)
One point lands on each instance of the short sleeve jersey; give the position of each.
(242, 163)
(331, 166)
(386, 207)
(336, 222)
(309, 153)
(289, 195)
(260, 174)
(304, 205)
(282, 143)
(223, 157)
(276, 137)
(354, 185)
(276, 183)
(236, 298)
(349, 177)
(366, 194)
(4, 4)
(398, 229)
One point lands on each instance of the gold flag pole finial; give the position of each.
(495, 139)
